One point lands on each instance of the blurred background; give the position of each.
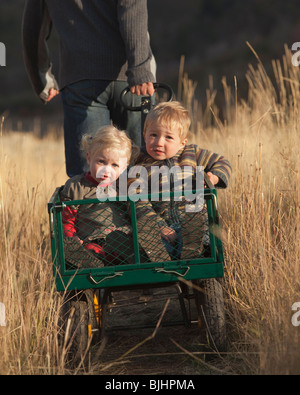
(211, 35)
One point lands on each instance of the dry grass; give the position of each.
(259, 211)
(30, 170)
(260, 214)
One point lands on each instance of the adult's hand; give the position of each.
(52, 93)
(144, 89)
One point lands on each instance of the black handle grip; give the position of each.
(157, 85)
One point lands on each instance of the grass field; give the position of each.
(259, 214)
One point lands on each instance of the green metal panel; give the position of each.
(143, 276)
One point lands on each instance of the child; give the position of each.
(165, 132)
(98, 230)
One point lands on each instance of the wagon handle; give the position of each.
(156, 85)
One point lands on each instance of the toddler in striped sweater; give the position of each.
(180, 230)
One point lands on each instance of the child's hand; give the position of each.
(168, 234)
(78, 239)
(213, 178)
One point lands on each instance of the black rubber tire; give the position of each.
(77, 316)
(211, 311)
(79, 334)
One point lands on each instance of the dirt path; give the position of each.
(152, 351)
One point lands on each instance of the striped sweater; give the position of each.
(187, 158)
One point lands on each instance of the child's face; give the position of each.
(162, 143)
(106, 165)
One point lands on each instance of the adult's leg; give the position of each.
(85, 111)
(90, 104)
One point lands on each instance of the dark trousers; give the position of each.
(90, 104)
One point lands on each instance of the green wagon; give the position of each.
(89, 282)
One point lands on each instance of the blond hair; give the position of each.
(171, 115)
(109, 138)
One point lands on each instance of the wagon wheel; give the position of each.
(80, 327)
(211, 311)
(101, 308)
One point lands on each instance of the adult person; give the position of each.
(104, 47)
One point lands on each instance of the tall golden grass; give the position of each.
(30, 170)
(259, 213)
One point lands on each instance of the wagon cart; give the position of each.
(138, 260)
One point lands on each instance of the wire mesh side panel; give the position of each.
(100, 234)
(97, 235)
(182, 235)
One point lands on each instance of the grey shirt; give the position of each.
(99, 39)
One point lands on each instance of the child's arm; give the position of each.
(69, 217)
(145, 210)
(215, 165)
(69, 213)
